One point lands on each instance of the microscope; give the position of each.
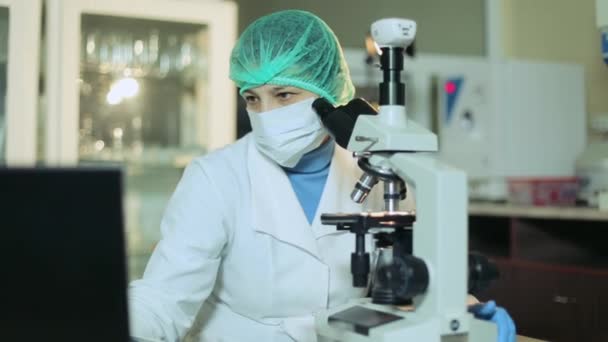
(423, 261)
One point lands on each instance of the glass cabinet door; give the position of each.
(142, 90)
(19, 46)
(140, 81)
(3, 76)
(142, 84)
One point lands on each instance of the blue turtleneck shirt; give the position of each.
(309, 176)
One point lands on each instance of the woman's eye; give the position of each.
(285, 95)
(250, 99)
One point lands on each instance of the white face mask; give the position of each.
(287, 133)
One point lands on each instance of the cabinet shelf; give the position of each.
(521, 211)
(549, 267)
(553, 266)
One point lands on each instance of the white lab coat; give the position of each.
(236, 244)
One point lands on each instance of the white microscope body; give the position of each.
(390, 142)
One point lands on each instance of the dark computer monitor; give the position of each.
(62, 251)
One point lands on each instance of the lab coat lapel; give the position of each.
(275, 207)
(343, 174)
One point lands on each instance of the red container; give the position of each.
(560, 191)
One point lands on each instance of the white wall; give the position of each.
(563, 31)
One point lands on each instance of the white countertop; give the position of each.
(561, 213)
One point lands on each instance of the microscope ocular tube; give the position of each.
(392, 90)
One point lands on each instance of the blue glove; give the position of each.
(490, 312)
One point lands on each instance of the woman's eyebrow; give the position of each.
(281, 88)
(249, 92)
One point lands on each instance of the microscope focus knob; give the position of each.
(481, 272)
(411, 277)
(399, 281)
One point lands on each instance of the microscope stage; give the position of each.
(360, 320)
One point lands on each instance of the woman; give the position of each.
(243, 252)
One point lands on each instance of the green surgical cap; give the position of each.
(292, 48)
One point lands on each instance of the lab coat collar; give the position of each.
(275, 207)
(343, 174)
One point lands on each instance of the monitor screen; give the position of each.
(63, 255)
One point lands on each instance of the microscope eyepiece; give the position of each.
(340, 121)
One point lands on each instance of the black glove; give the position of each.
(340, 121)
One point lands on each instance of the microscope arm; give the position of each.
(440, 237)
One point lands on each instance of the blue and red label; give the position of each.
(452, 88)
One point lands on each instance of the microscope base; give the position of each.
(362, 321)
